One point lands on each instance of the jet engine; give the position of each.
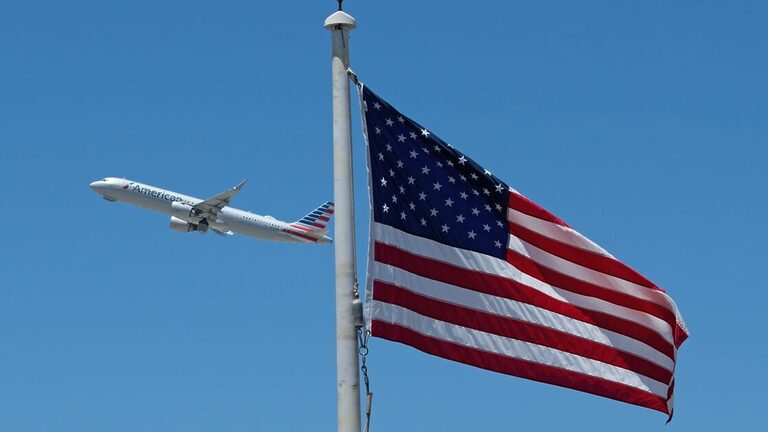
(185, 227)
(184, 212)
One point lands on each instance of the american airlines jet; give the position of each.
(193, 214)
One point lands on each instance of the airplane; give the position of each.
(193, 214)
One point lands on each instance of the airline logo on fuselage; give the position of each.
(154, 193)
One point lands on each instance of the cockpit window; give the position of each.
(104, 179)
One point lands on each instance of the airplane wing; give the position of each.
(212, 206)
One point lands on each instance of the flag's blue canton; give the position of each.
(426, 187)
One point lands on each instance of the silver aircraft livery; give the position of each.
(193, 214)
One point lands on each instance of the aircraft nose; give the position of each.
(97, 185)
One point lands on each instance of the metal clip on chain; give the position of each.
(363, 336)
(353, 76)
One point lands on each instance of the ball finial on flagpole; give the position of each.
(343, 19)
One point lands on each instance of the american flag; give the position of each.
(466, 268)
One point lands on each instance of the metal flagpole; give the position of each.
(348, 311)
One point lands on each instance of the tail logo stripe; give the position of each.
(313, 226)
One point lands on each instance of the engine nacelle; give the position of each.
(185, 227)
(184, 212)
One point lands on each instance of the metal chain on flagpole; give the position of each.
(363, 335)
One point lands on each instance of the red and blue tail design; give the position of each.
(313, 226)
(317, 219)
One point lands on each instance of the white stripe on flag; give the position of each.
(513, 348)
(577, 271)
(520, 311)
(494, 266)
(560, 233)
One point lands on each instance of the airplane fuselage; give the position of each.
(228, 220)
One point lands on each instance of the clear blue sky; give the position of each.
(642, 124)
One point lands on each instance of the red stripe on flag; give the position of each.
(524, 205)
(517, 329)
(580, 256)
(681, 334)
(324, 218)
(553, 277)
(517, 367)
(305, 229)
(513, 290)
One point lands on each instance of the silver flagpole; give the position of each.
(348, 311)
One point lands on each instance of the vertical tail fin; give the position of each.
(315, 223)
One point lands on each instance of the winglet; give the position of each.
(240, 185)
